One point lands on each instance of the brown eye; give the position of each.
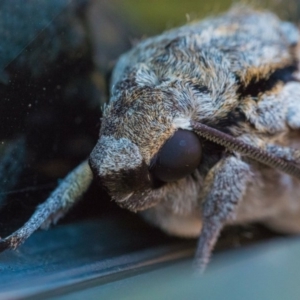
(178, 157)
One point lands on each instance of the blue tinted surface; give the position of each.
(269, 271)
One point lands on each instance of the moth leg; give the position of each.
(225, 186)
(286, 153)
(59, 202)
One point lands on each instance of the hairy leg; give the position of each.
(59, 202)
(288, 154)
(225, 186)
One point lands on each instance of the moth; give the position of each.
(200, 132)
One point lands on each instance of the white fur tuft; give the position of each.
(183, 123)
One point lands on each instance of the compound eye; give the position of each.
(178, 157)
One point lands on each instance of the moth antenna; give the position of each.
(59, 202)
(234, 144)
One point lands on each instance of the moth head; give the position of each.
(145, 143)
(149, 136)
